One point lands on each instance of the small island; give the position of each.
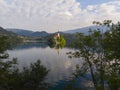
(57, 41)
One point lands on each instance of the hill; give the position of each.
(11, 38)
(37, 34)
(4, 32)
(29, 33)
(86, 29)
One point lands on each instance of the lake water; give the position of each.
(56, 60)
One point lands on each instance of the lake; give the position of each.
(56, 60)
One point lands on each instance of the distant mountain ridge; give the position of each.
(29, 33)
(86, 29)
(23, 32)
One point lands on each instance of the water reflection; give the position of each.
(31, 45)
(60, 66)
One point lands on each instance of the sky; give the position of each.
(54, 15)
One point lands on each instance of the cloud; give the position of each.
(100, 12)
(108, 10)
(51, 15)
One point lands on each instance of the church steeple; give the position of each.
(58, 34)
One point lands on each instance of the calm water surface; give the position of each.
(61, 67)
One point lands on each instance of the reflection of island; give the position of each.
(57, 42)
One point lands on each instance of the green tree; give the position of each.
(61, 42)
(112, 46)
(100, 54)
(51, 42)
(58, 42)
(3, 44)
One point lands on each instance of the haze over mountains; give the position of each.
(30, 33)
(85, 30)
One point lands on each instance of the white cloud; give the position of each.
(90, 7)
(108, 10)
(51, 15)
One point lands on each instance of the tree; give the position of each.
(112, 46)
(62, 42)
(100, 59)
(57, 42)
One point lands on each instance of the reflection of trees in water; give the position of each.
(31, 45)
(11, 78)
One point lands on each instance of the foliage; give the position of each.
(31, 78)
(51, 42)
(61, 42)
(58, 42)
(101, 55)
(3, 43)
(112, 47)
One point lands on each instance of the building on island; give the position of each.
(57, 38)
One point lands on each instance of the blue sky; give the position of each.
(85, 3)
(51, 15)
